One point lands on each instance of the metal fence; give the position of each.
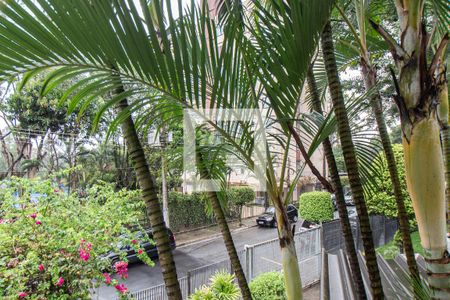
(383, 230)
(265, 257)
(255, 259)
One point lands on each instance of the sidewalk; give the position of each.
(211, 232)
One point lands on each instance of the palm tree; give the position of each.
(369, 74)
(188, 70)
(225, 230)
(150, 196)
(339, 192)
(350, 159)
(422, 88)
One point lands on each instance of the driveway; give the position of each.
(188, 257)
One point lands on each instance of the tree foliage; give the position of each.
(239, 197)
(52, 243)
(316, 206)
(268, 286)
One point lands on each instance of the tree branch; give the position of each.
(327, 185)
(397, 51)
(437, 56)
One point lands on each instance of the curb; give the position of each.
(212, 237)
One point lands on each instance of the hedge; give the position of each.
(187, 211)
(383, 201)
(316, 207)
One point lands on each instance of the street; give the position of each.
(189, 257)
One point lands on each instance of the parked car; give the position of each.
(268, 217)
(348, 199)
(145, 244)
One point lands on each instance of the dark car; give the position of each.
(145, 244)
(348, 199)
(268, 217)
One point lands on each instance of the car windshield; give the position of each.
(270, 210)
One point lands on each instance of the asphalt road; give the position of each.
(189, 257)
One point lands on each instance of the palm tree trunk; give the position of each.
(370, 78)
(289, 260)
(445, 136)
(226, 234)
(229, 244)
(351, 163)
(339, 192)
(149, 195)
(420, 90)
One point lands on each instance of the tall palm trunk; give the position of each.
(351, 163)
(420, 90)
(369, 74)
(149, 195)
(445, 136)
(443, 114)
(339, 192)
(289, 260)
(226, 234)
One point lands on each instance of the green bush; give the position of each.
(316, 206)
(51, 247)
(383, 201)
(268, 286)
(222, 287)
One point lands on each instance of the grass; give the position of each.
(391, 249)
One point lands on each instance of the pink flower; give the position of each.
(140, 251)
(1, 221)
(122, 269)
(38, 222)
(134, 242)
(85, 250)
(60, 281)
(121, 288)
(33, 215)
(56, 190)
(41, 268)
(22, 295)
(107, 278)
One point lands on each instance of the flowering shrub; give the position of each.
(52, 247)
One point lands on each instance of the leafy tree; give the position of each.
(39, 127)
(239, 197)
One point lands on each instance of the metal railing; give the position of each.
(255, 259)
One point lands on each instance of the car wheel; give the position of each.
(113, 262)
(295, 219)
